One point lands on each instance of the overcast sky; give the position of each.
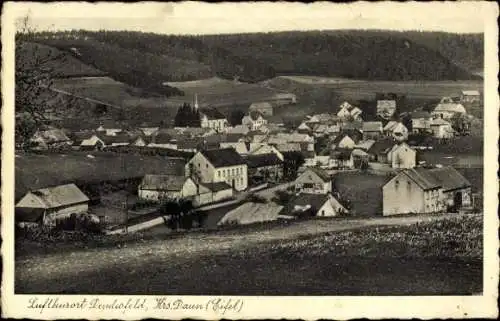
(207, 18)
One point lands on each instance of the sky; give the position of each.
(209, 18)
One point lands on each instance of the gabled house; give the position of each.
(254, 120)
(304, 128)
(48, 205)
(378, 151)
(87, 141)
(440, 128)
(447, 107)
(161, 187)
(365, 145)
(212, 118)
(251, 212)
(314, 181)
(470, 96)
(163, 139)
(264, 148)
(108, 129)
(372, 130)
(149, 131)
(240, 147)
(265, 108)
(51, 139)
(311, 205)
(268, 166)
(386, 108)
(397, 130)
(341, 159)
(356, 113)
(141, 141)
(402, 156)
(344, 112)
(420, 190)
(421, 121)
(219, 165)
(343, 141)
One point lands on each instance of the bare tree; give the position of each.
(34, 75)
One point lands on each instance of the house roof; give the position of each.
(372, 126)
(420, 114)
(340, 137)
(365, 144)
(386, 104)
(422, 178)
(162, 182)
(304, 202)
(261, 160)
(439, 122)
(62, 195)
(161, 138)
(450, 107)
(420, 123)
(304, 126)
(252, 212)
(321, 174)
(223, 157)
(240, 147)
(212, 113)
(238, 129)
(52, 135)
(449, 178)
(341, 154)
(359, 153)
(470, 93)
(381, 146)
(254, 114)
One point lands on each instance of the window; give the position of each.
(224, 173)
(206, 165)
(308, 185)
(396, 183)
(232, 172)
(218, 174)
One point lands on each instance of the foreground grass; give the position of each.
(441, 256)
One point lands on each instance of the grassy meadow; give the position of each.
(435, 255)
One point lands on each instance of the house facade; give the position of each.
(52, 204)
(319, 205)
(402, 156)
(313, 181)
(470, 96)
(447, 108)
(219, 165)
(386, 108)
(213, 119)
(158, 187)
(254, 120)
(440, 128)
(372, 130)
(267, 166)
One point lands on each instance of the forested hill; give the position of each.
(147, 60)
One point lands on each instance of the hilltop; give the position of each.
(147, 59)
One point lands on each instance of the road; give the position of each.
(34, 271)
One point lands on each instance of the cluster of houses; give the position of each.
(227, 160)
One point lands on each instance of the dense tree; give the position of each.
(187, 116)
(236, 116)
(291, 164)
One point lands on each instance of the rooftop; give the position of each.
(223, 157)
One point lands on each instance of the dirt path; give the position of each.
(92, 260)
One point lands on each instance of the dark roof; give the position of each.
(372, 126)
(254, 114)
(341, 154)
(162, 182)
(212, 113)
(381, 146)
(223, 157)
(217, 186)
(255, 161)
(422, 178)
(321, 173)
(420, 114)
(449, 178)
(315, 201)
(162, 138)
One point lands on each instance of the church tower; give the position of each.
(195, 101)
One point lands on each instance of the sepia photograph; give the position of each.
(199, 149)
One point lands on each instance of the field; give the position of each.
(323, 94)
(418, 255)
(33, 171)
(220, 92)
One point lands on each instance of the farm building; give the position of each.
(281, 99)
(212, 192)
(219, 165)
(470, 96)
(212, 118)
(402, 156)
(310, 205)
(426, 191)
(158, 187)
(313, 181)
(252, 212)
(440, 128)
(268, 166)
(50, 139)
(397, 130)
(47, 205)
(386, 108)
(447, 107)
(87, 141)
(264, 108)
(254, 120)
(372, 130)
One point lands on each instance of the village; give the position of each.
(259, 171)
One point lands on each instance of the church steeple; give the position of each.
(196, 101)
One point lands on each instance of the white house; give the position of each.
(254, 120)
(402, 156)
(447, 108)
(470, 96)
(343, 141)
(212, 118)
(314, 181)
(219, 165)
(320, 205)
(47, 205)
(158, 187)
(386, 108)
(440, 128)
(397, 130)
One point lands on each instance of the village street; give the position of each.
(40, 273)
